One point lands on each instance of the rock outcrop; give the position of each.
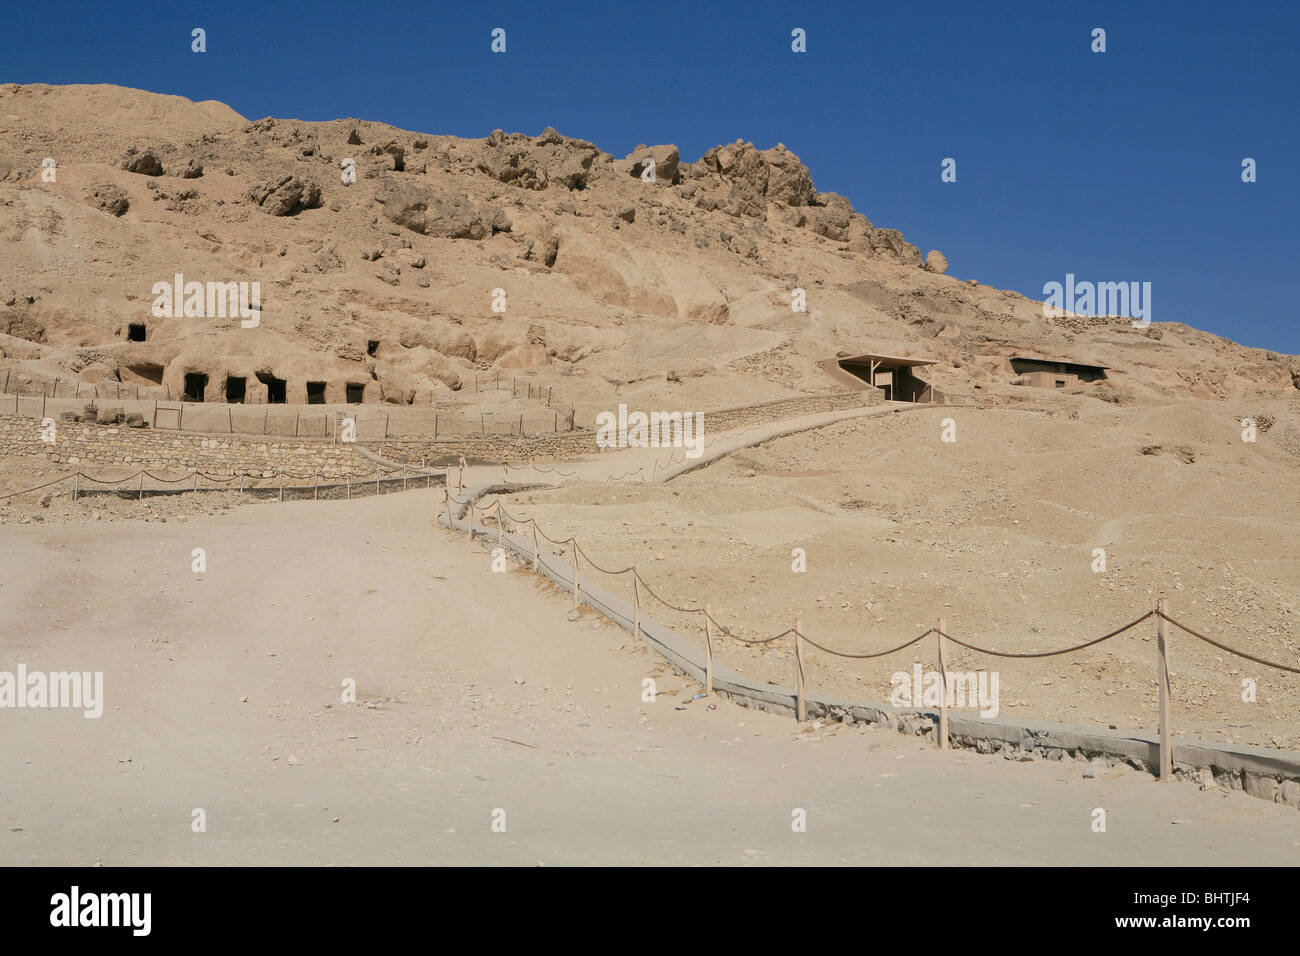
(421, 209)
(142, 161)
(548, 160)
(286, 195)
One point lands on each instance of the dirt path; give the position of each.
(474, 693)
(650, 465)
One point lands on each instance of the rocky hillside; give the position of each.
(616, 283)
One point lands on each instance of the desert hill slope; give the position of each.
(677, 290)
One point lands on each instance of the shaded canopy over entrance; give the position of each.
(892, 374)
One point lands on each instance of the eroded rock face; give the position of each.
(666, 159)
(759, 177)
(142, 161)
(109, 198)
(286, 195)
(393, 151)
(421, 209)
(830, 217)
(549, 160)
(891, 242)
(745, 200)
(789, 181)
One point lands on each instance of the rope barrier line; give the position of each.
(190, 476)
(1067, 650)
(745, 640)
(195, 475)
(597, 566)
(1230, 650)
(862, 657)
(37, 488)
(650, 591)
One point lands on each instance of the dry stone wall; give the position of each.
(91, 447)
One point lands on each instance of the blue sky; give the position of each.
(1115, 166)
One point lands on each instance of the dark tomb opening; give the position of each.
(196, 384)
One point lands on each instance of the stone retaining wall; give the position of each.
(95, 446)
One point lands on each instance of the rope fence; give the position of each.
(711, 626)
(358, 483)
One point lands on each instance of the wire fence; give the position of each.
(713, 629)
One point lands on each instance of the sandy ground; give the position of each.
(474, 694)
(996, 534)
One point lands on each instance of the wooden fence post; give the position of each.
(469, 525)
(943, 690)
(574, 543)
(376, 481)
(505, 474)
(636, 604)
(534, 524)
(801, 706)
(708, 650)
(1166, 750)
(530, 470)
(501, 524)
(141, 485)
(76, 485)
(282, 486)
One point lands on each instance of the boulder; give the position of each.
(145, 162)
(935, 262)
(286, 195)
(666, 159)
(109, 198)
(421, 209)
(740, 161)
(744, 246)
(789, 180)
(830, 217)
(393, 151)
(193, 170)
(551, 159)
